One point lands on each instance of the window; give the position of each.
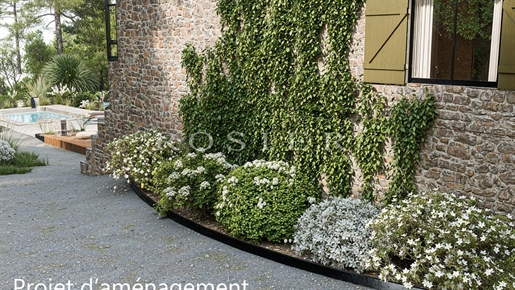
(456, 41)
(110, 18)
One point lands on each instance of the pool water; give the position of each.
(35, 117)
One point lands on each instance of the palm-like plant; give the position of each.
(69, 70)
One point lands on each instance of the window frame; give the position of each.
(109, 41)
(410, 44)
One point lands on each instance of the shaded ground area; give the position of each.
(57, 225)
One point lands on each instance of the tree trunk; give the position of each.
(17, 39)
(58, 31)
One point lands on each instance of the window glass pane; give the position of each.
(114, 50)
(442, 44)
(456, 40)
(473, 38)
(112, 22)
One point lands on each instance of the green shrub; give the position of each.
(334, 232)
(82, 98)
(190, 181)
(263, 200)
(440, 241)
(135, 156)
(71, 71)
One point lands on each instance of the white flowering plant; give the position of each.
(135, 156)
(334, 232)
(6, 151)
(441, 241)
(191, 181)
(262, 200)
(61, 93)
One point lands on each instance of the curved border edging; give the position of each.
(298, 263)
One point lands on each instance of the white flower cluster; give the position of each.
(182, 193)
(279, 166)
(178, 165)
(136, 155)
(225, 201)
(183, 171)
(232, 180)
(205, 185)
(220, 159)
(189, 172)
(191, 155)
(173, 177)
(450, 243)
(6, 151)
(334, 232)
(58, 90)
(220, 178)
(198, 175)
(260, 203)
(84, 104)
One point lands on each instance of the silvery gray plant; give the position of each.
(334, 232)
(6, 151)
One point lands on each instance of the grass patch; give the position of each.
(23, 162)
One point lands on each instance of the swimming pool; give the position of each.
(35, 117)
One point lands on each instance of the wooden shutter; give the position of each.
(507, 54)
(386, 29)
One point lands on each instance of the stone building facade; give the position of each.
(147, 80)
(470, 149)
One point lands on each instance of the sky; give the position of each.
(48, 34)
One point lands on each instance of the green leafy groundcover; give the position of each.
(277, 86)
(23, 162)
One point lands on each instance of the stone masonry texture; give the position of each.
(148, 80)
(469, 151)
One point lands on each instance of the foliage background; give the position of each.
(278, 82)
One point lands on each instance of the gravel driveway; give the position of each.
(63, 230)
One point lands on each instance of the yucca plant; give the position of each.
(69, 70)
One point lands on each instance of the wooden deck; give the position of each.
(70, 143)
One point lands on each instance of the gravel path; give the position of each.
(65, 230)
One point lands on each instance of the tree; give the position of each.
(20, 21)
(58, 9)
(71, 71)
(37, 53)
(85, 36)
(8, 65)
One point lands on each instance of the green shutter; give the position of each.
(386, 29)
(507, 55)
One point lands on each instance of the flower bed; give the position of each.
(432, 240)
(275, 252)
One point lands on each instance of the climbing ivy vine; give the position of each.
(409, 122)
(368, 149)
(277, 85)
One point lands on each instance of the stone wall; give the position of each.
(147, 81)
(469, 151)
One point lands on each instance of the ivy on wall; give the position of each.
(369, 145)
(277, 86)
(409, 122)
